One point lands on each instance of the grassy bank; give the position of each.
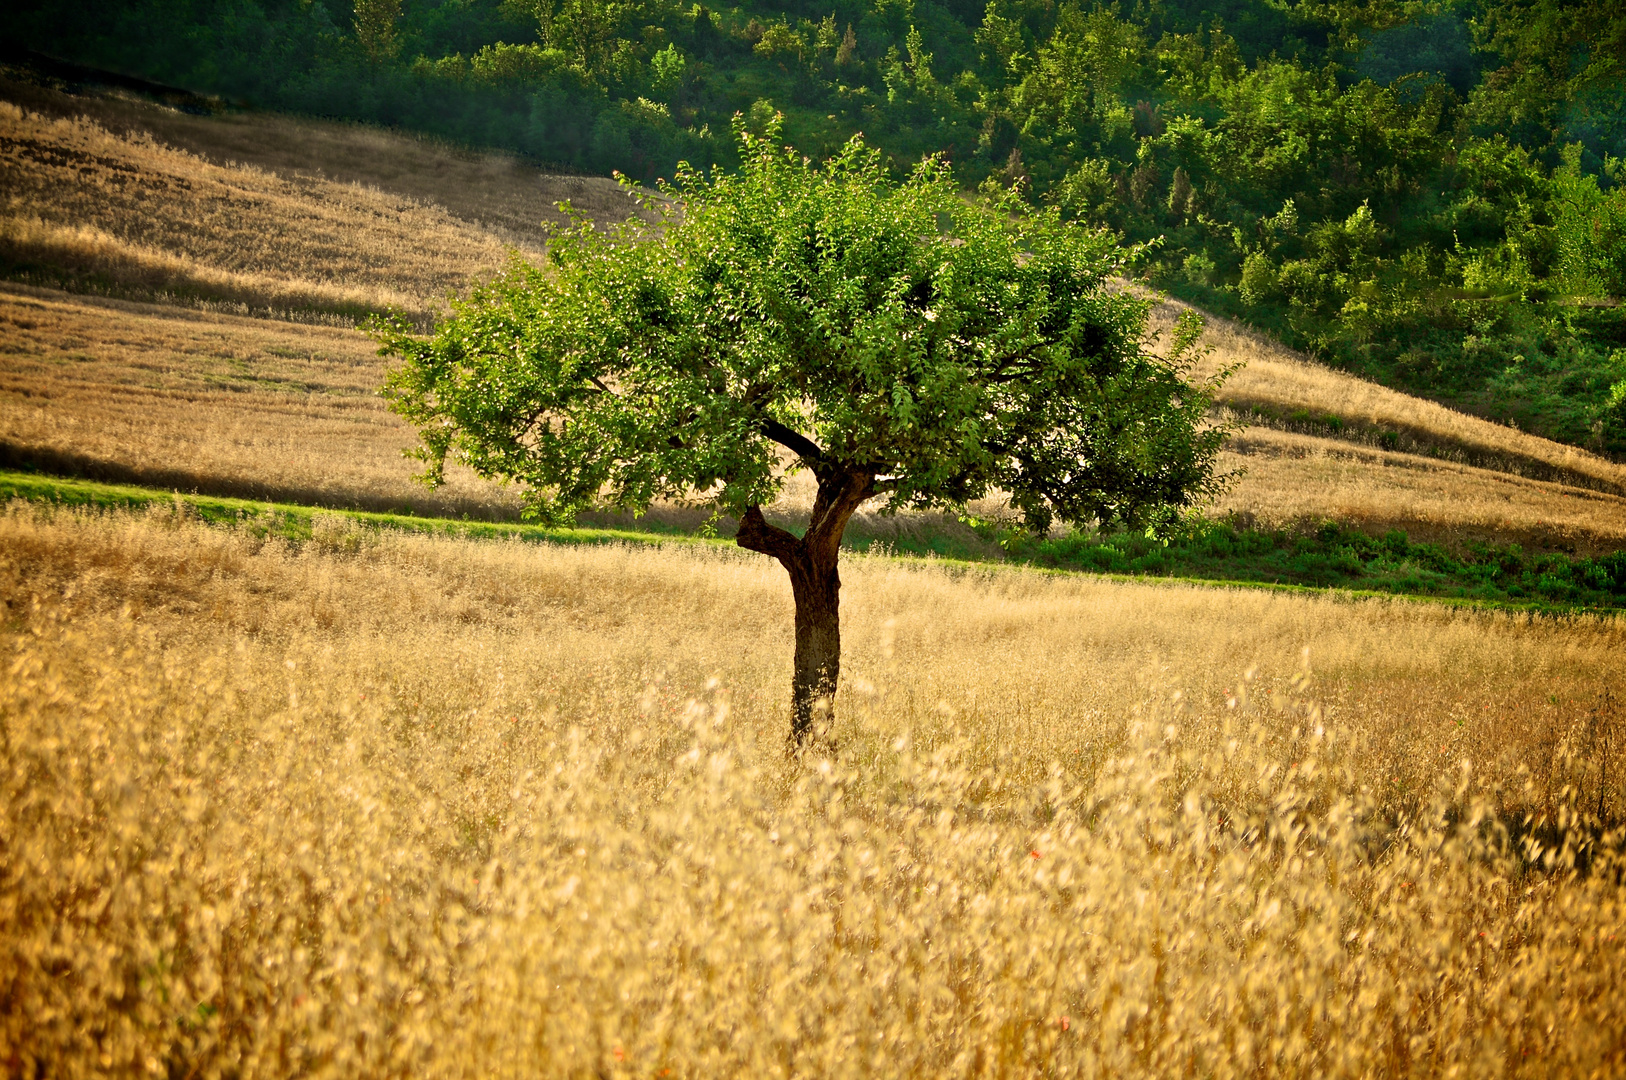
(1340, 557)
(299, 523)
(1218, 554)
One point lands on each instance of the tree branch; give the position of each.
(535, 417)
(756, 534)
(995, 373)
(792, 440)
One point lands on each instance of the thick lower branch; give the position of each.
(792, 440)
(756, 534)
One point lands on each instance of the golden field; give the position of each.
(167, 396)
(376, 804)
(383, 805)
(269, 409)
(1270, 376)
(146, 218)
(1289, 478)
(494, 192)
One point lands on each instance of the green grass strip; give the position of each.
(294, 523)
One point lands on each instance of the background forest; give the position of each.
(1429, 195)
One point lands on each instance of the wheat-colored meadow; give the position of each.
(1268, 374)
(386, 805)
(145, 217)
(263, 214)
(1288, 478)
(177, 398)
(495, 192)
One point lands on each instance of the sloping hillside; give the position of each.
(499, 193)
(203, 401)
(194, 222)
(1321, 443)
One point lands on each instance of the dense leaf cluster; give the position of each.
(1429, 193)
(894, 339)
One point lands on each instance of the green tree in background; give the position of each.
(894, 340)
(375, 28)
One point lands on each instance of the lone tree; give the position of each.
(895, 340)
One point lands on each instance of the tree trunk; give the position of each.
(815, 583)
(817, 591)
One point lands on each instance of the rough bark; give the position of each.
(815, 584)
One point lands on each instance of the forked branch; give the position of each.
(757, 534)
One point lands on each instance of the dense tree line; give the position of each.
(1430, 193)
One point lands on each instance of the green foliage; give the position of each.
(1429, 194)
(941, 348)
(1589, 228)
(1333, 556)
(375, 28)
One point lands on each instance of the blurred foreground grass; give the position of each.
(387, 804)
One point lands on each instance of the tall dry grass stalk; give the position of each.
(395, 806)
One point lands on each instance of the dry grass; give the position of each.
(394, 806)
(1290, 479)
(124, 266)
(146, 218)
(498, 193)
(222, 404)
(1284, 382)
(388, 805)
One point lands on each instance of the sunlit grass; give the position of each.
(305, 794)
(379, 804)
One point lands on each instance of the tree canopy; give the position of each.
(898, 341)
(895, 329)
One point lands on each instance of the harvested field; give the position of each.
(126, 213)
(1288, 389)
(1292, 479)
(161, 395)
(499, 193)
